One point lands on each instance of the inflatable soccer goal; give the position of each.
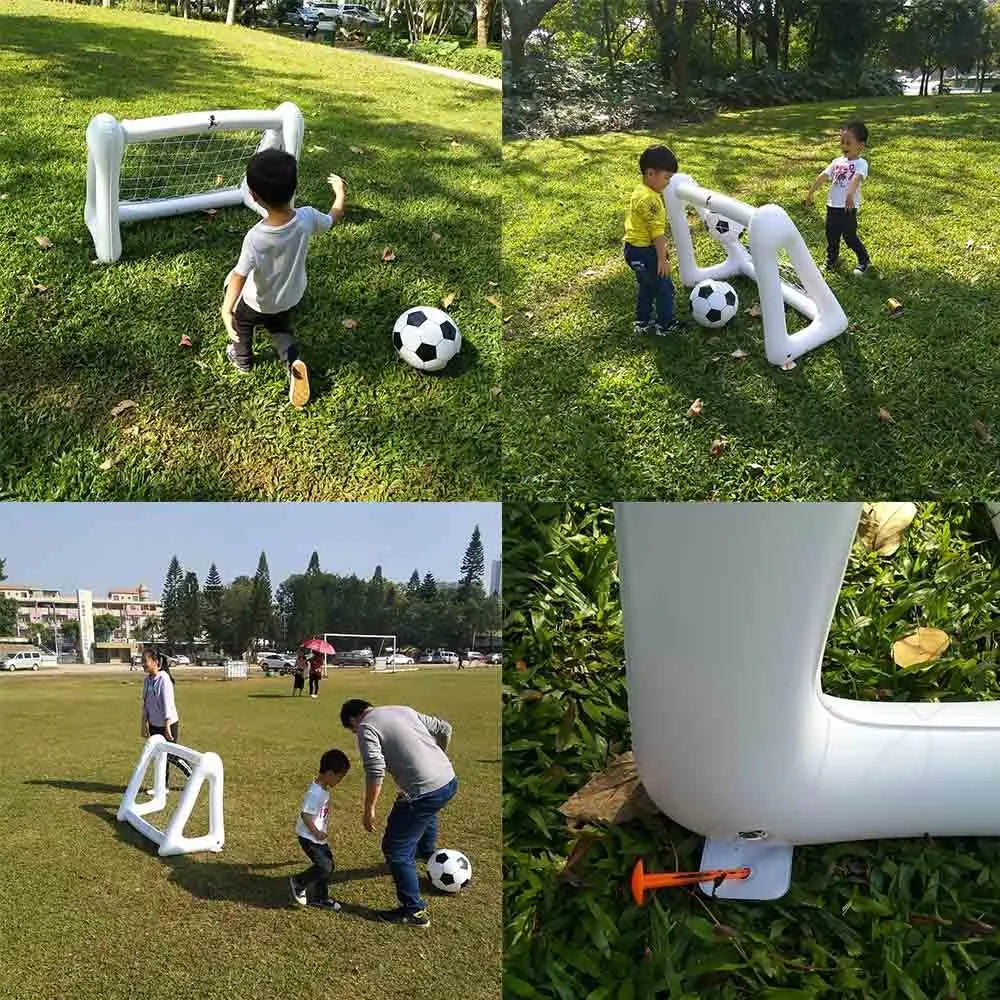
(770, 231)
(727, 609)
(171, 839)
(148, 168)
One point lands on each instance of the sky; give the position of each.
(102, 546)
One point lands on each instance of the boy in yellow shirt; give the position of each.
(646, 243)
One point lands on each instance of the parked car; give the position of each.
(474, 656)
(496, 657)
(300, 17)
(348, 15)
(22, 660)
(178, 660)
(429, 657)
(353, 658)
(210, 659)
(447, 656)
(279, 662)
(398, 658)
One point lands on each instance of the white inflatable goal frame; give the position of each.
(770, 230)
(206, 767)
(107, 139)
(727, 608)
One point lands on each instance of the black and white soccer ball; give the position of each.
(722, 229)
(449, 871)
(714, 303)
(426, 338)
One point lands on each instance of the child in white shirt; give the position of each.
(845, 174)
(311, 828)
(269, 279)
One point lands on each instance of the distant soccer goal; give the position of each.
(778, 261)
(380, 652)
(147, 168)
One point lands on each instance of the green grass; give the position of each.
(592, 412)
(427, 162)
(903, 918)
(91, 912)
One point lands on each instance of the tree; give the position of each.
(211, 601)
(8, 610)
(523, 17)
(170, 602)
(237, 616)
(146, 631)
(190, 608)
(989, 45)
(473, 564)
(428, 587)
(313, 563)
(262, 605)
(104, 626)
(484, 17)
(413, 586)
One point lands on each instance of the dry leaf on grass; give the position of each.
(883, 525)
(185, 341)
(495, 391)
(436, 237)
(125, 404)
(969, 244)
(507, 319)
(456, 145)
(388, 255)
(754, 311)
(348, 324)
(4, 196)
(448, 299)
(616, 795)
(719, 445)
(317, 149)
(44, 242)
(493, 284)
(740, 354)
(982, 431)
(493, 300)
(40, 288)
(356, 149)
(885, 416)
(923, 646)
(220, 180)
(105, 465)
(211, 212)
(694, 410)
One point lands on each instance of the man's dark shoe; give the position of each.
(401, 916)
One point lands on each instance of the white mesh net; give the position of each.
(182, 165)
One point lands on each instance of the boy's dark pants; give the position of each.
(279, 325)
(652, 288)
(843, 222)
(318, 874)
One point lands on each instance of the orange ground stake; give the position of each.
(642, 883)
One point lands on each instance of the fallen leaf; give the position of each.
(456, 145)
(719, 445)
(982, 431)
(4, 196)
(317, 149)
(135, 430)
(739, 354)
(923, 646)
(616, 795)
(40, 288)
(211, 212)
(885, 416)
(388, 255)
(125, 404)
(106, 464)
(493, 300)
(694, 410)
(495, 391)
(883, 525)
(185, 341)
(448, 299)
(969, 244)
(349, 324)
(356, 149)
(754, 311)
(507, 319)
(44, 242)
(220, 180)
(493, 284)
(436, 237)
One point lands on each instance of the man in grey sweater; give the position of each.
(411, 748)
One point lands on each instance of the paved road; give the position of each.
(457, 74)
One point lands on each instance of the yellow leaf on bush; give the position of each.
(923, 646)
(883, 525)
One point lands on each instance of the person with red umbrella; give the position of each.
(319, 648)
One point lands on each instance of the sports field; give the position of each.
(421, 156)
(901, 406)
(91, 912)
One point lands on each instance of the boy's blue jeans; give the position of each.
(652, 288)
(411, 830)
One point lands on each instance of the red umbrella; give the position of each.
(319, 646)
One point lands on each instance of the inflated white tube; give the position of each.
(727, 609)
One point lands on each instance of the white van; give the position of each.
(23, 660)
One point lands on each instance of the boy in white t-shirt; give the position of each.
(269, 279)
(311, 828)
(845, 174)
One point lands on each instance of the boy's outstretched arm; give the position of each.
(339, 197)
(816, 185)
(233, 289)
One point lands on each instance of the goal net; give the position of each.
(778, 260)
(148, 168)
(379, 652)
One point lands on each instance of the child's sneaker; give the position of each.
(674, 327)
(325, 904)
(298, 893)
(860, 270)
(641, 329)
(400, 916)
(237, 363)
(298, 384)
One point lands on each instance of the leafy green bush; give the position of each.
(451, 53)
(888, 919)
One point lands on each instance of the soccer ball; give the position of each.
(722, 229)
(426, 338)
(449, 871)
(713, 303)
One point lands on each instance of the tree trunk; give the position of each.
(682, 62)
(231, 12)
(784, 40)
(523, 16)
(940, 78)
(739, 35)
(484, 14)
(665, 22)
(606, 36)
(771, 32)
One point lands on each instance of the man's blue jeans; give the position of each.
(411, 830)
(652, 288)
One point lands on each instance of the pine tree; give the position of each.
(473, 564)
(428, 587)
(170, 602)
(212, 607)
(414, 585)
(377, 579)
(313, 564)
(262, 605)
(190, 607)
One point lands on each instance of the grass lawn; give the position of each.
(421, 156)
(590, 411)
(902, 918)
(93, 913)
